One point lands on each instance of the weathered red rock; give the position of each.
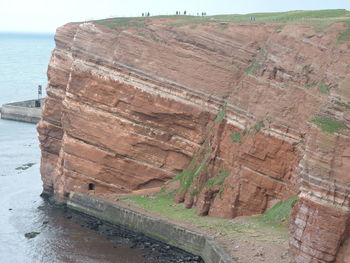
(128, 109)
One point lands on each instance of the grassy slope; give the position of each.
(334, 14)
(279, 214)
(274, 221)
(318, 19)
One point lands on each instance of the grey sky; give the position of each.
(47, 15)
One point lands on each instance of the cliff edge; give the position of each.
(243, 115)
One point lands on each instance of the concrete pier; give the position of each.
(26, 111)
(196, 243)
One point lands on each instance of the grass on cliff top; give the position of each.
(274, 220)
(318, 19)
(331, 15)
(344, 36)
(298, 15)
(122, 22)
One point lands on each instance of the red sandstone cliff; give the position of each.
(244, 110)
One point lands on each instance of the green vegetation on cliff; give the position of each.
(298, 15)
(122, 22)
(279, 214)
(236, 137)
(329, 125)
(320, 16)
(344, 105)
(188, 176)
(318, 19)
(221, 113)
(274, 219)
(217, 180)
(324, 88)
(345, 35)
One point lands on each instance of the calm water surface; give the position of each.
(23, 63)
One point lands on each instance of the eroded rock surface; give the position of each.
(242, 110)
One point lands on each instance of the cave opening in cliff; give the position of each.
(91, 186)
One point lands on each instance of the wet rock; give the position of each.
(31, 235)
(153, 250)
(25, 166)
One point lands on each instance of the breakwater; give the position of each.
(192, 242)
(26, 111)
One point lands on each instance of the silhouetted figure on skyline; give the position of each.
(185, 12)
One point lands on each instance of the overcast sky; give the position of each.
(47, 15)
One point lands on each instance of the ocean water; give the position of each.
(23, 64)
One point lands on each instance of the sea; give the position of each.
(59, 238)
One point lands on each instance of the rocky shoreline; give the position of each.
(154, 250)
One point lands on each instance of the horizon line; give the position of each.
(8, 32)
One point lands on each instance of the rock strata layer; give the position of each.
(243, 117)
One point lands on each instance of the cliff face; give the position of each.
(243, 115)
